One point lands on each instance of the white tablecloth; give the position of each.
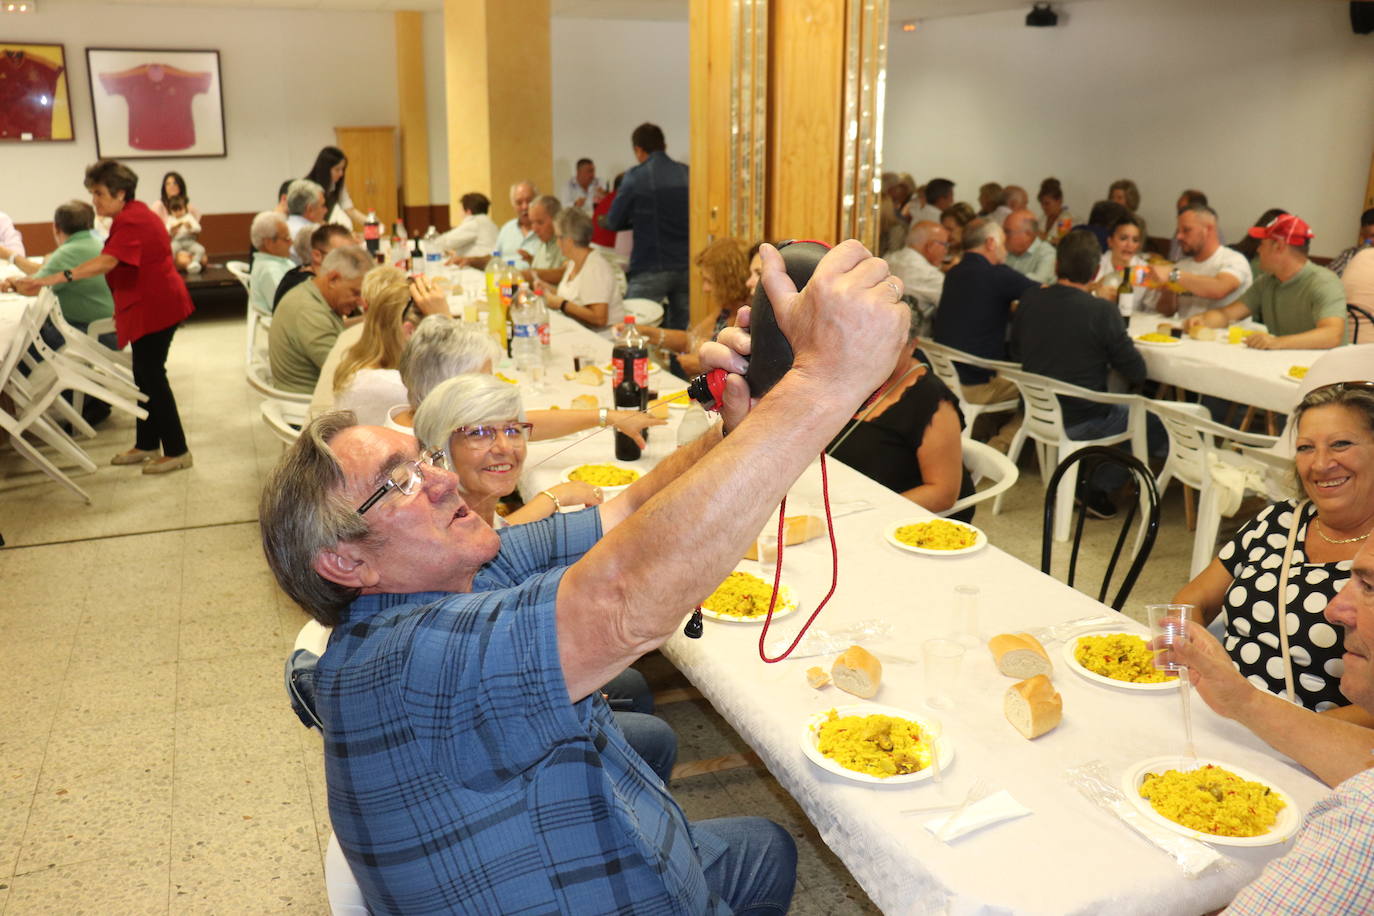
(1069, 856)
(1231, 371)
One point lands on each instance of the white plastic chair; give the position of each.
(256, 320)
(1194, 439)
(284, 418)
(942, 363)
(1044, 423)
(259, 376)
(95, 360)
(984, 463)
(647, 312)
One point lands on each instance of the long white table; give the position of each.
(1234, 372)
(1069, 856)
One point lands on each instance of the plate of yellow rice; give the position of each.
(1294, 374)
(611, 477)
(1155, 339)
(1212, 801)
(875, 744)
(743, 598)
(938, 537)
(1117, 659)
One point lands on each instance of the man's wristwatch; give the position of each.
(67, 274)
(1174, 275)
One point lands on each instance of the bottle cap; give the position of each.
(629, 319)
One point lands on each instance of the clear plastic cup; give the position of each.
(942, 659)
(963, 624)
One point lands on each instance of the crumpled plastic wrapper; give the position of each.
(824, 642)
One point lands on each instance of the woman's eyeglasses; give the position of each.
(484, 437)
(405, 477)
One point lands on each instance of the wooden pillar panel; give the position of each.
(806, 90)
(410, 89)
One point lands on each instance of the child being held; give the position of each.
(183, 227)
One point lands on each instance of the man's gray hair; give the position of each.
(264, 228)
(550, 204)
(300, 248)
(300, 194)
(534, 191)
(920, 233)
(977, 233)
(573, 224)
(441, 348)
(465, 400)
(303, 512)
(351, 262)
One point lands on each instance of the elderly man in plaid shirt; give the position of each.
(1330, 869)
(472, 763)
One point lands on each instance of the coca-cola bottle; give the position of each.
(630, 378)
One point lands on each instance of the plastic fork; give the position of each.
(975, 792)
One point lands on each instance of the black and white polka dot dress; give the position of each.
(1253, 558)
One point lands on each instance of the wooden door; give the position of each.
(371, 178)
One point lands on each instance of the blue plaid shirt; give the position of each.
(460, 777)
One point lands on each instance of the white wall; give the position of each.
(1259, 103)
(281, 105)
(610, 76)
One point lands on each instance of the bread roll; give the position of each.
(1033, 706)
(586, 402)
(856, 671)
(1199, 332)
(816, 677)
(796, 530)
(1019, 655)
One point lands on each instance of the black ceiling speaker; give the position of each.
(1362, 17)
(1042, 16)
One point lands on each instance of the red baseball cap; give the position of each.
(1286, 228)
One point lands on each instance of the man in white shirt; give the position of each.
(304, 205)
(475, 236)
(939, 197)
(516, 233)
(583, 190)
(1211, 275)
(271, 258)
(1027, 252)
(10, 237)
(917, 264)
(1014, 197)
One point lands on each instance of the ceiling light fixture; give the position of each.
(1042, 16)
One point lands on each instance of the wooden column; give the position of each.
(410, 88)
(499, 99)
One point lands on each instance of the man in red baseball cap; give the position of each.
(1300, 303)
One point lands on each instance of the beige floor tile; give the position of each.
(125, 884)
(136, 747)
(228, 737)
(209, 636)
(245, 677)
(107, 645)
(37, 652)
(21, 760)
(110, 694)
(257, 867)
(209, 801)
(14, 819)
(97, 820)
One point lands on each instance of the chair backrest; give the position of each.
(985, 463)
(1193, 435)
(1044, 419)
(284, 418)
(1359, 320)
(1092, 458)
(241, 271)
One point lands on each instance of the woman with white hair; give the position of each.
(590, 290)
(479, 424)
(443, 346)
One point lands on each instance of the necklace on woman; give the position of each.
(1331, 540)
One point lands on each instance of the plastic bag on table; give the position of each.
(1094, 783)
(1060, 632)
(824, 642)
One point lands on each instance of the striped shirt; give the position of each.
(461, 779)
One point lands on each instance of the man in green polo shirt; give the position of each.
(1301, 303)
(81, 301)
(310, 317)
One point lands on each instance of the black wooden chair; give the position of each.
(1360, 319)
(1094, 458)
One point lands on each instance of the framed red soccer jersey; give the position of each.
(33, 93)
(159, 100)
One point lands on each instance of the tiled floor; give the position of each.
(148, 760)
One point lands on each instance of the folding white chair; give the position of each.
(1195, 441)
(942, 363)
(256, 320)
(259, 376)
(1044, 423)
(984, 463)
(284, 418)
(106, 366)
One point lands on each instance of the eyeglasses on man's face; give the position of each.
(405, 477)
(484, 437)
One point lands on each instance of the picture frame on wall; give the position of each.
(156, 103)
(35, 101)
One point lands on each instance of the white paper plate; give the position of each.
(1176, 342)
(890, 534)
(787, 602)
(1290, 378)
(1288, 821)
(1072, 643)
(607, 491)
(809, 738)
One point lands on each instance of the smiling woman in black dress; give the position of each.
(910, 439)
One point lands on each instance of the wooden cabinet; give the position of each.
(371, 177)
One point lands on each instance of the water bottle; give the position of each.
(434, 254)
(541, 316)
(372, 233)
(524, 344)
(630, 379)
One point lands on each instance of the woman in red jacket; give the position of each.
(150, 302)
